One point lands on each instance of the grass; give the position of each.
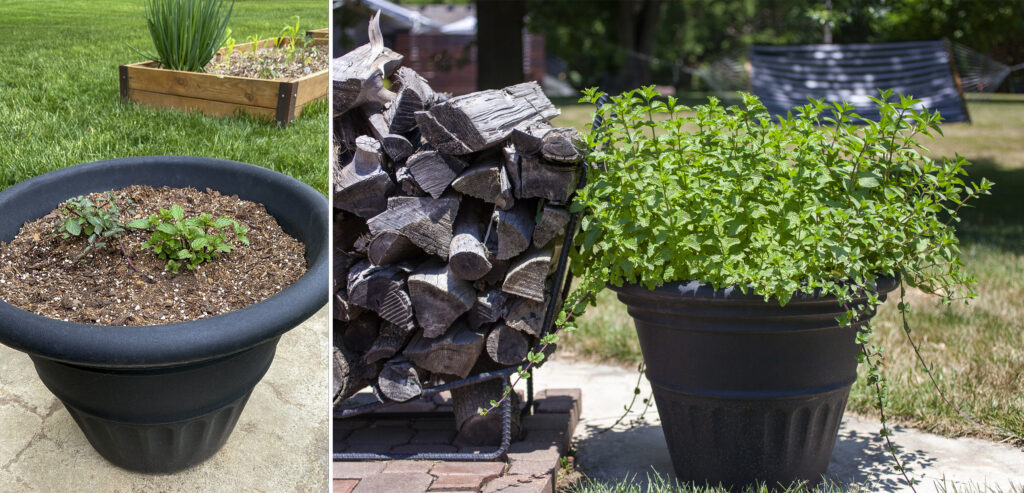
(977, 350)
(60, 105)
(660, 484)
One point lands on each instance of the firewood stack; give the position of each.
(448, 215)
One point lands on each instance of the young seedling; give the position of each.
(189, 241)
(98, 221)
(291, 34)
(229, 49)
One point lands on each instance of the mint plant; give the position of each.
(819, 199)
(98, 221)
(189, 241)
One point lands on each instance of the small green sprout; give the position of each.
(98, 221)
(189, 241)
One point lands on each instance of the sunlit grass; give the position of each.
(60, 103)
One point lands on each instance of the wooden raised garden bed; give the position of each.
(318, 35)
(223, 95)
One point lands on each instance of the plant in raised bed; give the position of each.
(268, 78)
(189, 241)
(187, 33)
(752, 254)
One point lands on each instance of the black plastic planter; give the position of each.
(747, 390)
(162, 398)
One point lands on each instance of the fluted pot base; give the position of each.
(748, 391)
(160, 448)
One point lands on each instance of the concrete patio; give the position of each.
(859, 456)
(280, 443)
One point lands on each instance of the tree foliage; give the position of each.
(690, 33)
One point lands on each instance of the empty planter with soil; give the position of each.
(151, 308)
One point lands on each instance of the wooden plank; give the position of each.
(312, 87)
(205, 106)
(226, 89)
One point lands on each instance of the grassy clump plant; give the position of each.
(187, 33)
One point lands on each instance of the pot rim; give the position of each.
(182, 342)
(699, 290)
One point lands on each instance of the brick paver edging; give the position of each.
(530, 466)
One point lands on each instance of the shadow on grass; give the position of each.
(859, 459)
(998, 219)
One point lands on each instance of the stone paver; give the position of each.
(529, 467)
(489, 470)
(357, 469)
(520, 484)
(278, 445)
(405, 482)
(859, 456)
(343, 485)
(407, 466)
(458, 482)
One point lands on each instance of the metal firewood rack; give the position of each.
(555, 295)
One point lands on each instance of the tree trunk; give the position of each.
(499, 42)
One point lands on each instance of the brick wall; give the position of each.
(449, 61)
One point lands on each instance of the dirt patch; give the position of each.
(40, 271)
(271, 63)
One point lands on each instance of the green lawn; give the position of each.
(60, 105)
(977, 350)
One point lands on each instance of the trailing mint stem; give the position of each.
(904, 307)
(641, 369)
(876, 379)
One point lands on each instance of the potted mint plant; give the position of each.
(752, 253)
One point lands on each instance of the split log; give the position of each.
(359, 333)
(407, 182)
(542, 140)
(467, 402)
(434, 171)
(342, 263)
(425, 221)
(399, 381)
(454, 354)
(358, 76)
(350, 373)
(414, 95)
(512, 165)
(487, 180)
(489, 308)
(527, 275)
(526, 316)
(552, 225)
(397, 147)
(347, 128)
(477, 121)
(438, 298)
(362, 186)
(383, 290)
(467, 256)
(507, 346)
(514, 229)
(494, 278)
(389, 342)
(542, 179)
(389, 247)
(343, 310)
(347, 229)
